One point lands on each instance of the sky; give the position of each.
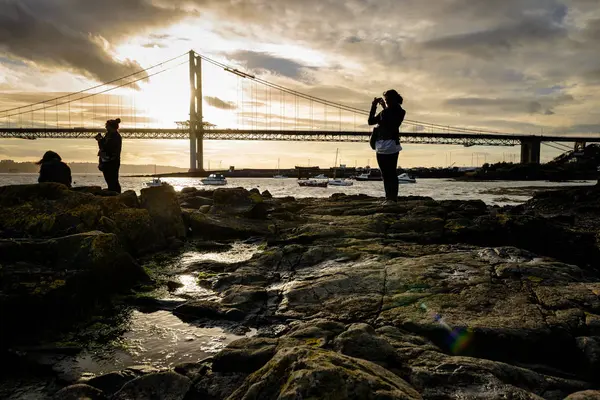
(514, 66)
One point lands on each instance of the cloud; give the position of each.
(260, 61)
(218, 103)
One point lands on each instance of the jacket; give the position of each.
(55, 171)
(110, 148)
(388, 122)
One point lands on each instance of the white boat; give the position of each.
(340, 182)
(279, 176)
(368, 177)
(404, 178)
(214, 179)
(154, 182)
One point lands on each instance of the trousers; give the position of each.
(388, 164)
(110, 170)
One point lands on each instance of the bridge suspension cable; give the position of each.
(337, 105)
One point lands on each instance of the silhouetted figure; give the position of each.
(110, 154)
(385, 139)
(52, 169)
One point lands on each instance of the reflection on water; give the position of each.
(158, 339)
(438, 189)
(239, 252)
(190, 288)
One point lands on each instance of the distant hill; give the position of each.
(10, 166)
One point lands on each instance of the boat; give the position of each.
(320, 176)
(214, 179)
(368, 177)
(279, 176)
(313, 183)
(340, 182)
(404, 178)
(154, 182)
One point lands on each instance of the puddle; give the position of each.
(239, 252)
(191, 289)
(158, 339)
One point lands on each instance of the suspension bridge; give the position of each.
(240, 106)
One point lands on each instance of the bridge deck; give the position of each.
(457, 138)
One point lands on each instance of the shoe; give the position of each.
(388, 202)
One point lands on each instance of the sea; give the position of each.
(491, 192)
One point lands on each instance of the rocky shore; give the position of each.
(348, 299)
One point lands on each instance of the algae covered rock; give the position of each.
(308, 373)
(161, 202)
(57, 277)
(160, 386)
(79, 392)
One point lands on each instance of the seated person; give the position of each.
(52, 169)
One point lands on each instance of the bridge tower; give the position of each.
(196, 120)
(530, 150)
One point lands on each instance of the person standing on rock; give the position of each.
(110, 154)
(385, 139)
(52, 169)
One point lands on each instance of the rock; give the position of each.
(112, 382)
(206, 309)
(266, 194)
(218, 227)
(320, 374)
(188, 190)
(193, 370)
(138, 231)
(589, 348)
(204, 209)
(95, 190)
(239, 201)
(361, 341)
(174, 285)
(161, 203)
(245, 355)
(196, 202)
(129, 198)
(254, 191)
(161, 386)
(216, 385)
(246, 298)
(584, 395)
(79, 392)
(53, 278)
(213, 247)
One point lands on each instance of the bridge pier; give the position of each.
(196, 134)
(530, 151)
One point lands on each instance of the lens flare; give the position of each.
(458, 338)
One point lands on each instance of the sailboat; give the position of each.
(279, 176)
(155, 181)
(338, 182)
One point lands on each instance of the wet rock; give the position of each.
(254, 191)
(245, 355)
(241, 202)
(589, 348)
(193, 370)
(213, 247)
(320, 374)
(246, 298)
(79, 392)
(161, 386)
(112, 382)
(266, 194)
(174, 285)
(162, 205)
(206, 309)
(584, 395)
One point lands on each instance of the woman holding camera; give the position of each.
(385, 139)
(110, 154)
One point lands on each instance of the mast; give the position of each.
(335, 163)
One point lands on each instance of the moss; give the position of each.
(502, 218)
(535, 279)
(256, 198)
(206, 275)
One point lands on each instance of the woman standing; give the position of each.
(386, 139)
(110, 154)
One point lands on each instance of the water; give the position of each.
(439, 189)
